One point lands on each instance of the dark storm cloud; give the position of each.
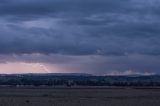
(91, 36)
(74, 27)
(52, 6)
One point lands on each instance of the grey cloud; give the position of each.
(86, 27)
(93, 64)
(91, 36)
(39, 6)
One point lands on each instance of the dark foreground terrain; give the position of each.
(79, 96)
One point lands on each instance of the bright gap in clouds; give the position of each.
(22, 67)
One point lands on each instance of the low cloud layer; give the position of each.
(82, 28)
(93, 64)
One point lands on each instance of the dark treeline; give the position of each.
(71, 80)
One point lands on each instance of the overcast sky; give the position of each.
(84, 36)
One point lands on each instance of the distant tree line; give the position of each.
(79, 81)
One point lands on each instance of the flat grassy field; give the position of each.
(79, 97)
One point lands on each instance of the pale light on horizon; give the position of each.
(22, 67)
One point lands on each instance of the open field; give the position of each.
(79, 97)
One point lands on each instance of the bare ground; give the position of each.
(79, 97)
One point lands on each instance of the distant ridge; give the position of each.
(77, 79)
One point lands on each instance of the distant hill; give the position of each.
(78, 79)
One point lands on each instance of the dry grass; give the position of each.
(79, 97)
